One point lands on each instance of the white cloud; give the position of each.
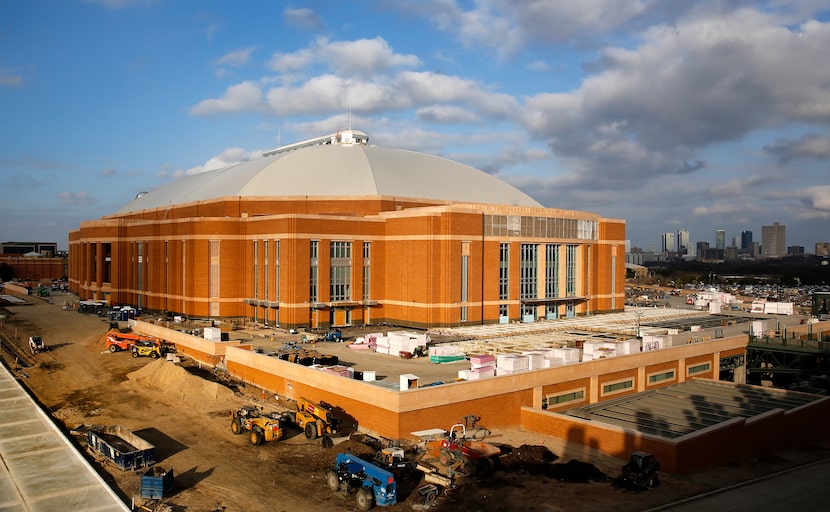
(235, 58)
(75, 198)
(303, 17)
(446, 114)
(230, 156)
(360, 57)
(245, 96)
(10, 79)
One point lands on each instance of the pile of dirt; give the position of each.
(325, 459)
(167, 377)
(539, 460)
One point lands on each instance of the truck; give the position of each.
(119, 446)
(371, 484)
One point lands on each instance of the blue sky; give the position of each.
(670, 115)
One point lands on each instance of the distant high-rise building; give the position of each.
(795, 250)
(746, 240)
(702, 247)
(683, 241)
(720, 239)
(668, 242)
(773, 240)
(822, 248)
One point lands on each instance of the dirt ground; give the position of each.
(180, 410)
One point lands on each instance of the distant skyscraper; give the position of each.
(720, 239)
(773, 240)
(746, 240)
(683, 241)
(668, 242)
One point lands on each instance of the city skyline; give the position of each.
(669, 115)
(739, 240)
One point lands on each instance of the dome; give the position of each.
(339, 170)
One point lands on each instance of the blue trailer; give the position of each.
(121, 447)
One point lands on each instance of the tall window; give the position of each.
(277, 270)
(504, 271)
(367, 288)
(140, 273)
(341, 271)
(570, 271)
(312, 289)
(551, 270)
(266, 275)
(213, 277)
(256, 269)
(529, 272)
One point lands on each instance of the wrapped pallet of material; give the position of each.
(464, 374)
(513, 362)
(369, 375)
(651, 342)
(627, 347)
(604, 352)
(590, 347)
(483, 361)
(535, 359)
(482, 373)
(567, 354)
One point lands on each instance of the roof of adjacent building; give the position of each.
(42, 470)
(339, 169)
(684, 408)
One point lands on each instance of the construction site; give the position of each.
(482, 418)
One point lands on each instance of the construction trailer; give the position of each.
(120, 447)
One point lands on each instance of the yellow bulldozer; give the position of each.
(260, 427)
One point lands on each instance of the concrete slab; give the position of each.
(41, 470)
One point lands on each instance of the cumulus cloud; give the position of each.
(228, 157)
(245, 96)
(360, 57)
(449, 114)
(649, 110)
(809, 146)
(303, 17)
(815, 201)
(235, 58)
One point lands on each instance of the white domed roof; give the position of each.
(339, 170)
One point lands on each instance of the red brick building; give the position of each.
(337, 232)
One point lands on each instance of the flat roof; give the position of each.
(41, 470)
(684, 408)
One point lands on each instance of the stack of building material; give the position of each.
(404, 341)
(511, 363)
(628, 347)
(535, 359)
(340, 370)
(655, 343)
(445, 354)
(212, 333)
(592, 350)
(481, 367)
(382, 345)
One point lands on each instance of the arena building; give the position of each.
(334, 232)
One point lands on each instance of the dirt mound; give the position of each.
(579, 472)
(325, 459)
(162, 375)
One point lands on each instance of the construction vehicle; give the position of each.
(334, 335)
(36, 345)
(147, 348)
(117, 341)
(315, 419)
(260, 427)
(640, 472)
(373, 485)
(393, 459)
(455, 449)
